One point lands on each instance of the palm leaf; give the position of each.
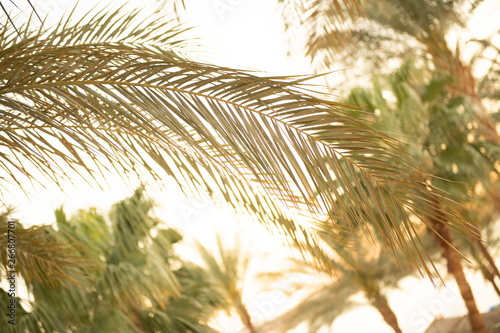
(110, 93)
(360, 269)
(318, 309)
(134, 289)
(227, 269)
(41, 255)
(387, 28)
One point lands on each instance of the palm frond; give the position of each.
(142, 288)
(43, 256)
(112, 94)
(384, 27)
(361, 268)
(323, 13)
(227, 268)
(318, 309)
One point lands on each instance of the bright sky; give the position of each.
(242, 34)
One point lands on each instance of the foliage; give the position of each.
(138, 283)
(386, 33)
(443, 129)
(108, 93)
(35, 261)
(446, 136)
(227, 270)
(360, 268)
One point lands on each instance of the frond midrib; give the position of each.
(195, 93)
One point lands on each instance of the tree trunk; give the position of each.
(244, 316)
(488, 275)
(462, 83)
(380, 303)
(454, 264)
(490, 272)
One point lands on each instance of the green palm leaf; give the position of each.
(145, 287)
(110, 93)
(43, 256)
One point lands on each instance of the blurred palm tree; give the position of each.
(41, 254)
(389, 29)
(107, 94)
(44, 257)
(227, 270)
(361, 267)
(324, 305)
(446, 136)
(137, 283)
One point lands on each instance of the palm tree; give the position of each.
(329, 301)
(41, 255)
(227, 270)
(405, 25)
(396, 30)
(107, 93)
(388, 29)
(137, 282)
(481, 210)
(442, 130)
(438, 125)
(360, 267)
